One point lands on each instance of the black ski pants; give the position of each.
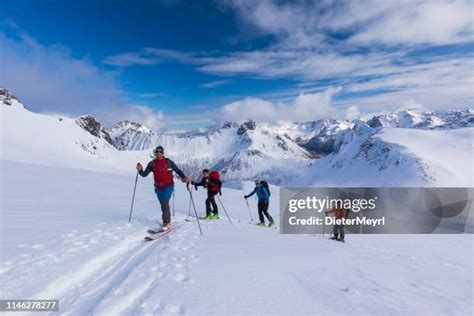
(339, 231)
(263, 210)
(211, 205)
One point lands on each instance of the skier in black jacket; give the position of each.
(212, 183)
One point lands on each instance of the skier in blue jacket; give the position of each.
(263, 202)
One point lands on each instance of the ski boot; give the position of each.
(215, 216)
(166, 227)
(271, 223)
(261, 224)
(208, 216)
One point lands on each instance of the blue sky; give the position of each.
(171, 64)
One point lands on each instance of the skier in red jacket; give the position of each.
(162, 169)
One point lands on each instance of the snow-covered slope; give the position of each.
(371, 157)
(59, 141)
(80, 249)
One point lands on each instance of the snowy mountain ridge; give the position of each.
(400, 148)
(317, 137)
(413, 118)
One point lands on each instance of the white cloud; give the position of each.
(146, 116)
(50, 79)
(353, 113)
(411, 104)
(419, 22)
(309, 24)
(305, 107)
(255, 108)
(213, 84)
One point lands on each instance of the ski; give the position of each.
(339, 240)
(158, 235)
(192, 219)
(151, 231)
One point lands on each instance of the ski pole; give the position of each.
(133, 198)
(173, 203)
(224, 209)
(189, 208)
(324, 224)
(250, 213)
(194, 206)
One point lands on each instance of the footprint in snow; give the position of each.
(174, 309)
(180, 277)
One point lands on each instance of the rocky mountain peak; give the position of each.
(91, 125)
(248, 125)
(7, 98)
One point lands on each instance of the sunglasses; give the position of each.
(158, 152)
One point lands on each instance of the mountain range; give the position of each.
(339, 152)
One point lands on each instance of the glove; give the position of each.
(139, 167)
(220, 193)
(245, 196)
(195, 187)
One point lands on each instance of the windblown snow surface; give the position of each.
(65, 234)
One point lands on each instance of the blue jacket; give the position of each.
(262, 193)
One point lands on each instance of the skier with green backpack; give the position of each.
(263, 194)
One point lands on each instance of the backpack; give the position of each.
(265, 185)
(162, 173)
(214, 175)
(214, 179)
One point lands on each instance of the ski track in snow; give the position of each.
(122, 276)
(111, 270)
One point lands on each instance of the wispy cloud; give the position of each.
(149, 56)
(151, 95)
(213, 84)
(359, 46)
(313, 24)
